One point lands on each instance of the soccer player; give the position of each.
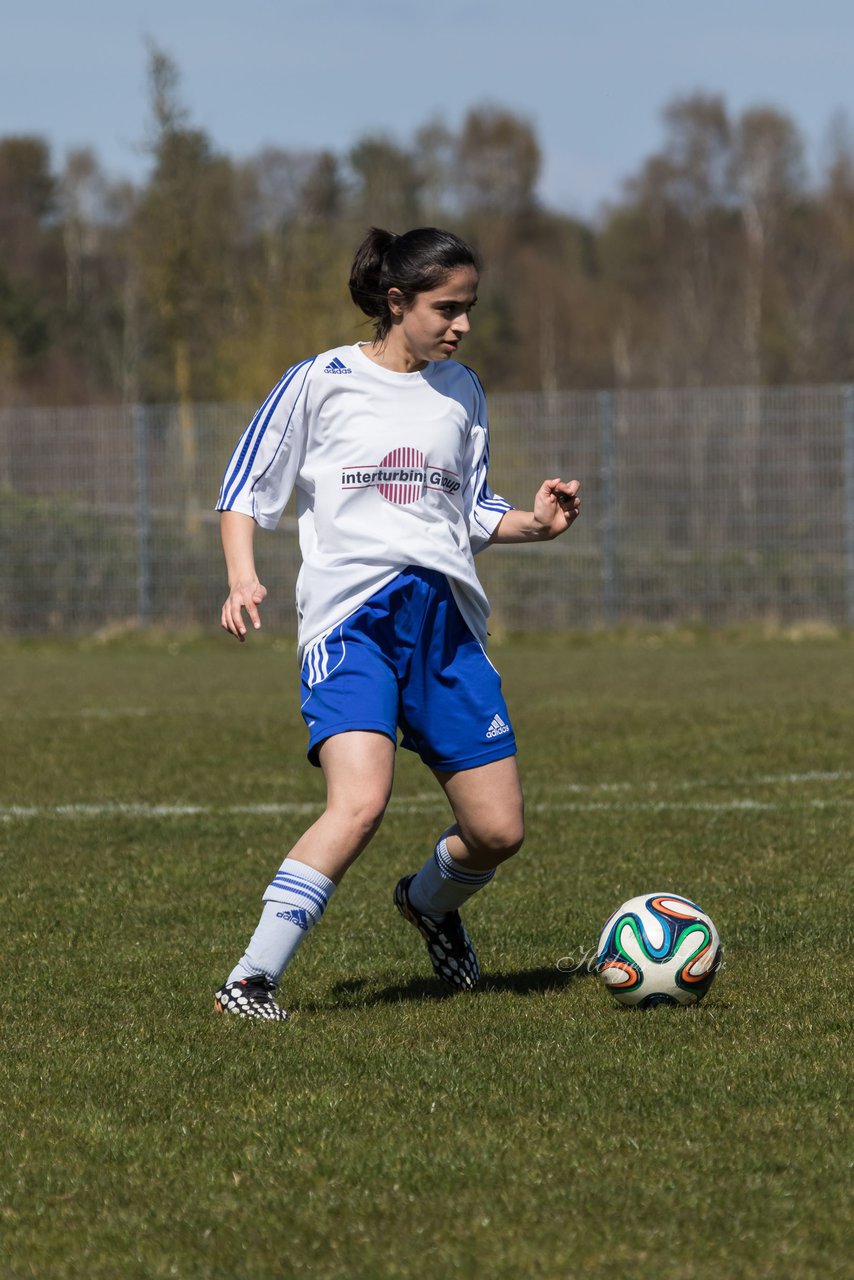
(386, 444)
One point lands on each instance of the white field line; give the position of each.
(9, 813)
(796, 778)
(432, 802)
(14, 813)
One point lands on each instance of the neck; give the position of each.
(393, 355)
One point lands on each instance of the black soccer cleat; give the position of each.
(250, 998)
(448, 945)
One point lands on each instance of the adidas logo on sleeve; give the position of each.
(497, 728)
(337, 366)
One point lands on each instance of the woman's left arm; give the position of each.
(556, 506)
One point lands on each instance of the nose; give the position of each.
(461, 323)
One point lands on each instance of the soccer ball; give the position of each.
(658, 949)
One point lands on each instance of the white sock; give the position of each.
(294, 901)
(442, 885)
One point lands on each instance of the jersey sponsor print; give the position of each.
(401, 477)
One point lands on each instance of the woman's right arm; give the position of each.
(258, 481)
(244, 589)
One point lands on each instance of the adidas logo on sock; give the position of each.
(296, 916)
(337, 366)
(497, 728)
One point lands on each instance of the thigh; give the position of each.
(359, 771)
(348, 685)
(453, 712)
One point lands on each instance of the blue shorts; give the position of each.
(407, 659)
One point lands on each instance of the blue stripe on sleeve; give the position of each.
(283, 437)
(243, 444)
(230, 492)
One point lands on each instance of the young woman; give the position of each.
(387, 446)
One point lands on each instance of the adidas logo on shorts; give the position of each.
(497, 728)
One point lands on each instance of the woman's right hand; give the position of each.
(243, 595)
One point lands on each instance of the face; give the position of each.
(434, 324)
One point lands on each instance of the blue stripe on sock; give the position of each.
(451, 870)
(287, 880)
(293, 885)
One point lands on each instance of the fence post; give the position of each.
(143, 515)
(608, 522)
(848, 453)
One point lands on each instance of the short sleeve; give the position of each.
(263, 468)
(484, 509)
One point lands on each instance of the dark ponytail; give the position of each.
(413, 263)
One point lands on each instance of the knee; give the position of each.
(365, 812)
(497, 838)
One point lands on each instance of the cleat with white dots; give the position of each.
(448, 945)
(250, 998)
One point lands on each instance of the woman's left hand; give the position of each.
(556, 506)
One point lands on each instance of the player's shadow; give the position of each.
(357, 992)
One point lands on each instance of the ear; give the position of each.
(396, 302)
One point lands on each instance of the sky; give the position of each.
(591, 78)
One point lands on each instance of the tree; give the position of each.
(293, 260)
(826, 330)
(497, 163)
(184, 241)
(94, 216)
(768, 176)
(435, 147)
(185, 235)
(388, 184)
(671, 235)
(27, 193)
(698, 139)
(28, 259)
(322, 192)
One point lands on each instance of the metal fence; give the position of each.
(708, 505)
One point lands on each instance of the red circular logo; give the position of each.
(405, 481)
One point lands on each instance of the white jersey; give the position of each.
(390, 470)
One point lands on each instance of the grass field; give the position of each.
(149, 788)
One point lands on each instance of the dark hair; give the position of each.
(413, 263)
